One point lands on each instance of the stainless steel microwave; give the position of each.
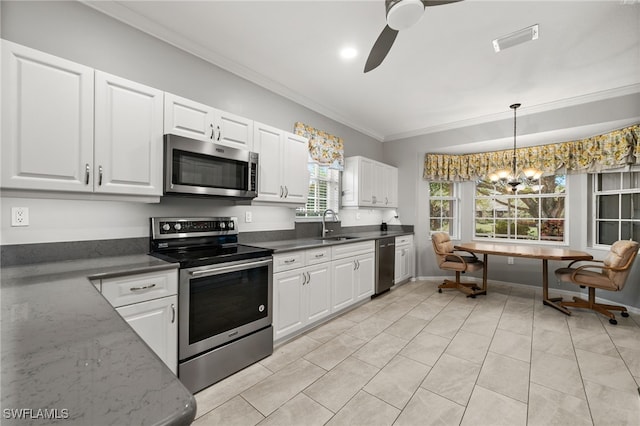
(193, 167)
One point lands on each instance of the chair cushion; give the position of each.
(590, 278)
(620, 253)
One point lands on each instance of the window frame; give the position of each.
(337, 183)
(455, 217)
(539, 219)
(619, 192)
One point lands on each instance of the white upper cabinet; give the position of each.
(67, 127)
(192, 119)
(283, 176)
(47, 121)
(369, 183)
(128, 137)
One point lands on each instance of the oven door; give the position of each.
(221, 303)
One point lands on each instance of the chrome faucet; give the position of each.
(324, 225)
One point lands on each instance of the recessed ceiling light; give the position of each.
(348, 53)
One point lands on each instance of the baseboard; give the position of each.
(560, 292)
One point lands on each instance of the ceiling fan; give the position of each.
(401, 14)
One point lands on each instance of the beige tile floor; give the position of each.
(418, 357)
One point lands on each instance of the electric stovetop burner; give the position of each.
(194, 242)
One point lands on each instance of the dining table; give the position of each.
(544, 253)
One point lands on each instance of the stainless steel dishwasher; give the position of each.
(385, 263)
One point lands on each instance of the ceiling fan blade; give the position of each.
(380, 48)
(427, 3)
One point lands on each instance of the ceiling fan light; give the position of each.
(404, 14)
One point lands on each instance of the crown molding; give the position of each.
(535, 109)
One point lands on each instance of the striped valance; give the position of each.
(609, 151)
(324, 149)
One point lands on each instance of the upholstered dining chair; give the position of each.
(451, 260)
(608, 274)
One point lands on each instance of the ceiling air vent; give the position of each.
(515, 38)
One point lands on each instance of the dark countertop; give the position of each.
(309, 243)
(66, 350)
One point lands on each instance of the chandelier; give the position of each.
(513, 178)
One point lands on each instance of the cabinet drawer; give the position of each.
(140, 287)
(352, 249)
(288, 261)
(404, 240)
(315, 256)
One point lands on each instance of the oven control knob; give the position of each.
(166, 227)
(231, 225)
(177, 227)
(223, 225)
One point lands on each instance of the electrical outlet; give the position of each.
(248, 217)
(510, 260)
(19, 216)
(358, 217)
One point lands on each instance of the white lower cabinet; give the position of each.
(301, 294)
(309, 285)
(155, 321)
(149, 303)
(404, 259)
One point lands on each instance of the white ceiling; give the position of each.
(441, 73)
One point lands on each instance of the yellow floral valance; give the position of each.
(325, 149)
(609, 151)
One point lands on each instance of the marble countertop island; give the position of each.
(67, 357)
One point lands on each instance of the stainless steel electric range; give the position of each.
(224, 296)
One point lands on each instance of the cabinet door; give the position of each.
(379, 185)
(188, 118)
(47, 121)
(399, 264)
(267, 142)
(318, 292)
(128, 137)
(365, 276)
(155, 321)
(233, 130)
(342, 283)
(390, 186)
(365, 183)
(288, 303)
(295, 172)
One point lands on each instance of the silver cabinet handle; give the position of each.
(289, 261)
(219, 133)
(355, 265)
(100, 176)
(286, 191)
(212, 131)
(304, 278)
(386, 200)
(173, 313)
(308, 278)
(318, 256)
(87, 172)
(281, 191)
(144, 287)
(358, 264)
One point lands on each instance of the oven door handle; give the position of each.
(230, 268)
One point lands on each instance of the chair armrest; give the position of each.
(576, 261)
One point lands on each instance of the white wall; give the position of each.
(79, 33)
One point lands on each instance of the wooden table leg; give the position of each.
(545, 290)
(485, 260)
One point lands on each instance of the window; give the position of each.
(617, 207)
(534, 213)
(443, 208)
(324, 191)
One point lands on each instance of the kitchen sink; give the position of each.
(337, 238)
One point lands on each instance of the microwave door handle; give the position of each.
(230, 268)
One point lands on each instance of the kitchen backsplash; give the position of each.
(23, 254)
